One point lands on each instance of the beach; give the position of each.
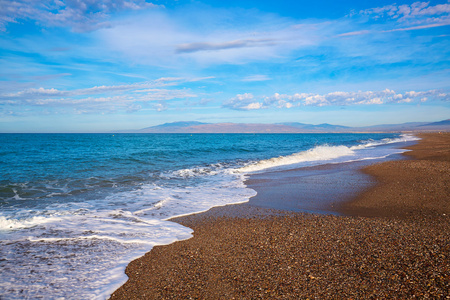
(388, 241)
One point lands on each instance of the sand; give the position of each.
(393, 244)
(418, 185)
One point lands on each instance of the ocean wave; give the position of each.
(200, 171)
(193, 172)
(107, 240)
(317, 153)
(374, 143)
(325, 153)
(12, 224)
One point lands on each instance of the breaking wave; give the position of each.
(326, 153)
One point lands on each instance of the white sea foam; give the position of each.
(326, 154)
(89, 251)
(194, 172)
(110, 232)
(319, 153)
(7, 224)
(402, 139)
(216, 190)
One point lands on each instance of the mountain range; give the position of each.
(289, 127)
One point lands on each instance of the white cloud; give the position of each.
(417, 13)
(175, 39)
(214, 37)
(80, 15)
(444, 23)
(254, 105)
(253, 78)
(243, 102)
(416, 16)
(140, 87)
(161, 106)
(249, 101)
(208, 46)
(128, 98)
(353, 33)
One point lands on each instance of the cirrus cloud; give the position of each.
(159, 38)
(254, 78)
(195, 47)
(80, 15)
(406, 17)
(416, 13)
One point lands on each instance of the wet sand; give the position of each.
(418, 185)
(393, 242)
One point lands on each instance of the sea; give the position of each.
(75, 209)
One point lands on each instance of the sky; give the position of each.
(100, 66)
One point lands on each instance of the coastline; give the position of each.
(420, 184)
(244, 251)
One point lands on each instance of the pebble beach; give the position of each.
(389, 242)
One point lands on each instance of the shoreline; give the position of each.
(420, 184)
(244, 251)
(316, 189)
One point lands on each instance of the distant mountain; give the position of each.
(294, 124)
(414, 126)
(173, 127)
(441, 123)
(177, 124)
(288, 127)
(435, 126)
(326, 125)
(314, 128)
(198, 127)
(241, 128)
(393, 127)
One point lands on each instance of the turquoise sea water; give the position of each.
(75, 209)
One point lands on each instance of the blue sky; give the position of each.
(98, 66)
